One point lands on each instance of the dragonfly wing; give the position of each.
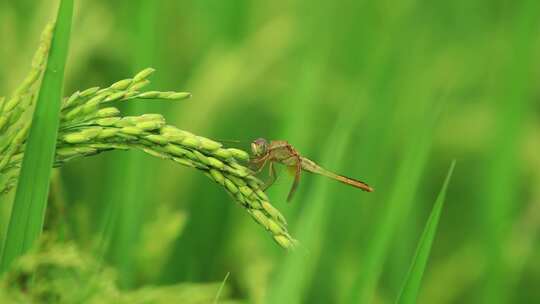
(298, 169)
(273, 176)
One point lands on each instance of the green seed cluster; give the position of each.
(150, 134)
(14, 115)
(89, 125)
(86, 105)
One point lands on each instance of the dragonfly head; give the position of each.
(259, 147)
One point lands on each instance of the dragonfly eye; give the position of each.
(259, 146)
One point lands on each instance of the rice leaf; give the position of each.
(31, 197)
(297, 270)
(129, 176)
(409, 291)
(400, 201)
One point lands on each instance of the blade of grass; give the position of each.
(28, 212)
(399, 203)
(409, 291)
(291, 280)
(307, 90)
(297, 269)
(130, 173)
(220, 290)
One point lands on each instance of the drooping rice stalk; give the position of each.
(89, 125)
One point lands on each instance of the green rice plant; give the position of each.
(55, 273)
(89, 126)
(87, 134)
(409, 291)
(14, 123)
(31, 198)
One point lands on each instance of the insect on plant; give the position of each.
(280, 151)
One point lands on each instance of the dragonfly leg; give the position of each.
(298, 170)
(273, 176)
(259, 163)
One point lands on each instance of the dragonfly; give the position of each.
(280, 151)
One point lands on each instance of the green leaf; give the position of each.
(410, 289)
(129, 175)
(28, 212)
(400, 201)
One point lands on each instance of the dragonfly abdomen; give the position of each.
(354, 182)
(312, 167)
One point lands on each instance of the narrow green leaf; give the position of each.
(298, 268)
(129, 175)
(220, 290)
(31, 197)
(409, 291)
(400, 201)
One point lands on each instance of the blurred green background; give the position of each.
(389, 92)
